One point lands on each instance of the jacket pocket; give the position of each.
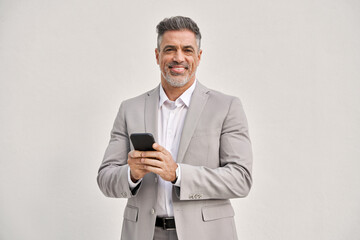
(210, 213)
(131, 213)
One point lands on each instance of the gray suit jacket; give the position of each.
(215, 157)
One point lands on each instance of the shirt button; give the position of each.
(152, 211)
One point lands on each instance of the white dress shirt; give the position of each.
(171, 118)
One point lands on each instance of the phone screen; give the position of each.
(142, 141)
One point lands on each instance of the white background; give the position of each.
(65, 67)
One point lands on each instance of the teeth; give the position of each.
(176, 67)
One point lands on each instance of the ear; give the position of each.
(157, 55)
(199, 56)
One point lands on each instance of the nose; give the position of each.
(179, 56)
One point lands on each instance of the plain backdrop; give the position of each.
(65, 67)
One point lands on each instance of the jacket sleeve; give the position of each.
(113, 172)
(232, 178)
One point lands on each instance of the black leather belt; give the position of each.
(166, 223)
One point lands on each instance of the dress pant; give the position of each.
(161, 234)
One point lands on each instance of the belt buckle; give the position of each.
(164, 224)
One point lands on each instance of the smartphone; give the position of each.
(142, 141)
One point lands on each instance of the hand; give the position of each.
(137, 170)
(159, 162)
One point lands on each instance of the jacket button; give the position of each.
(152, 211)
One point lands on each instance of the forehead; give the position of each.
(179, 38)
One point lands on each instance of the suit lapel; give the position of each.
(151, 112)
(197, 103)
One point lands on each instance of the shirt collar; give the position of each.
(185, 97)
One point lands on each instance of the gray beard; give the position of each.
(176, 83)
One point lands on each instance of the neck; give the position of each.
(174, 93)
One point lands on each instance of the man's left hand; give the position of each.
(159, 162)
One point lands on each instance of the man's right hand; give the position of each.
(137, 170)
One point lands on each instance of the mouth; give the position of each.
(177, 69)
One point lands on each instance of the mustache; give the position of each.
(172, 64)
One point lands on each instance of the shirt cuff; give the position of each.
(132, 185)
(178, 180)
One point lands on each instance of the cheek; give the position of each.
(163, 61)
(162, 64)
(194, 64)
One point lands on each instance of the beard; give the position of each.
(176, 80)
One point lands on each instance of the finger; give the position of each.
(134, 161)
(134, 154)
(152, 162)
(153, 169)
(152, 154)
(158, 147)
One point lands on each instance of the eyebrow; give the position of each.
(189, 46)
(168, 46)
(173, 46)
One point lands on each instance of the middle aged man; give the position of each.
(203, 153)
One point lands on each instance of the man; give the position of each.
(202, 154)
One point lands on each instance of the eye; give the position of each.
(168, 49)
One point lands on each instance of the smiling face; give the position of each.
(178, 58)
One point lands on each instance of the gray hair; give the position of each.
(177, 23)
